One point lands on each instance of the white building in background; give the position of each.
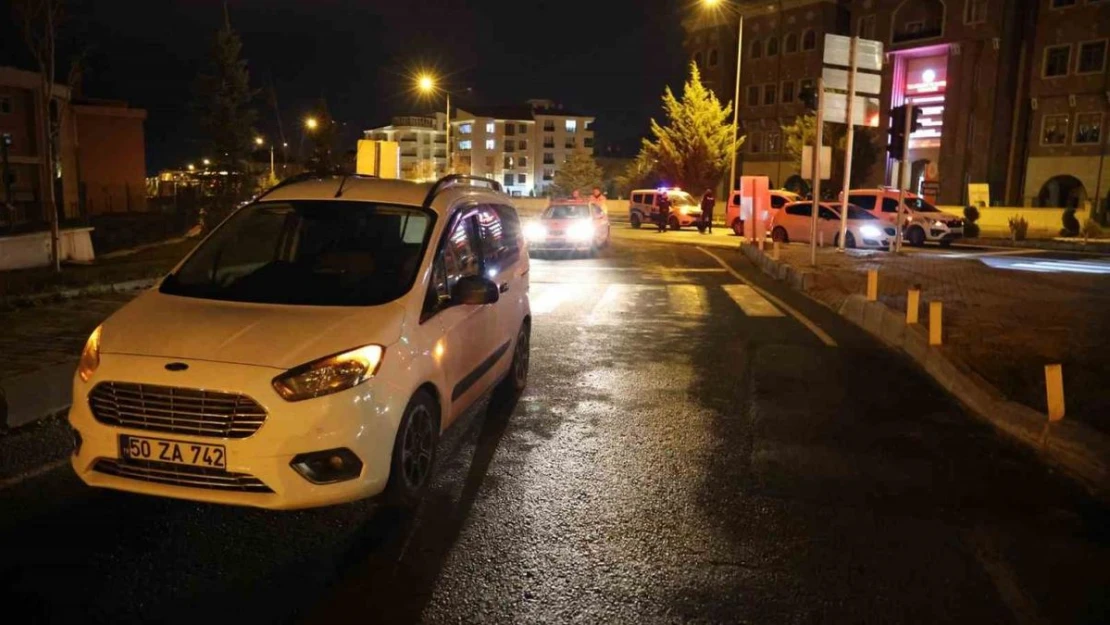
(423, 144)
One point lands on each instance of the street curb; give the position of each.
(1078, 450)
(1094, 247)
(36, 395)
(36, 299)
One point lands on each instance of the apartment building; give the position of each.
(423, 144)
(1014, 93)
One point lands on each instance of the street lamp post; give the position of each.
(259, 141)
(736, 92)
(427, 84)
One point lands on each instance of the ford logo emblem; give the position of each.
(176, 366)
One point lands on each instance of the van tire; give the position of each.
(635, 220)
(517, 378)
(414, 452)
(779, 234)
(673, 223)
(738, 227)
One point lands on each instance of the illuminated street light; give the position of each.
(311, 123)
(427, 85)
(259, 141)
(190, 167)
(714, 5)
(206, 162)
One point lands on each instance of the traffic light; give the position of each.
(808, 97)
(897, 143)
(915, 119)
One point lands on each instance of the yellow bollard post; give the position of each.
(935, 327)
(820, 239)
(775, 250)
(913, 303)
(1054, 385)
(872, 285)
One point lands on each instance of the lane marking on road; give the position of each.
(802, 319)
(553, 296)
(16, 480)
(751, 302)
(688, 300)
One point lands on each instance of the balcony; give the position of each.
(925, 33)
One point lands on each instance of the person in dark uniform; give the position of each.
(708, 202)
(664, 206)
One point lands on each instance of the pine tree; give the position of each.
(223, 97)
(580, 173)
(695, 148)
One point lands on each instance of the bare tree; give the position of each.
(40, 21)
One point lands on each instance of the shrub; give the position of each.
(1019, 227)
(971, 215)
(1091, 229)
(1071, 224)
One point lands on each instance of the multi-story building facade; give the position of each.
(521, 146)
(422, 140)
(1014, 94)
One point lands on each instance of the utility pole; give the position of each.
(736, 103)
(817, 141)
(848, 147)
(447, 150)
(902, 176)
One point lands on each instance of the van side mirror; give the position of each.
(475, 291)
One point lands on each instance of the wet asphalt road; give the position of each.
(674, 460)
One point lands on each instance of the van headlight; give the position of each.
(535, 231)
(90, 356)
(939, 224)
(870, 232)
(329, 375)
(581, 231)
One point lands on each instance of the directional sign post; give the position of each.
(848, 108)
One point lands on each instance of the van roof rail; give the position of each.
(456, 179)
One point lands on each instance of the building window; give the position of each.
(773, 46)
(1054, 130)
(588, 142)
(787, 91)
(522, 178)
(465, 129)
(491, 144)
(510, 145)
(806, 83)
(865, 28)
(489, 164)
(522, 161)
(975, 11)
(713, 57)
(769, 95)
(590, 125)
(809, 40)
(464, 145)
(790, 43)
(508, 180)
(549, 125)
(755, 141)
(569, 143)
(522, 128)
(697, 60)
(510, 130)
(753, 95)
(1059, 4)
(548, 141)
(522, 144)
(1092, 57)
(757, 49)
(508, 162)
(548, 174)
(774, 141)
(490, 128)
(1088, 129)
(915, 27)
(5, 105)
(548, 158)
(1056, 61)
(572, 125)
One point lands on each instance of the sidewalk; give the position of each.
(1003, 324)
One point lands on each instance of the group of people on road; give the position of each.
(596, 198)
(708, 203)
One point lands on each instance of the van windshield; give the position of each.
(567, 211)
(921, 206)
(309, 253)
(681, 198)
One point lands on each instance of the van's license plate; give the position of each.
(175, 452)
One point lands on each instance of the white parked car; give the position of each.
(922, 222)
(793, 223)
(312, 349)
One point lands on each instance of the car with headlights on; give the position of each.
(311, 350)
(569, 225)
(794, 221)
(921, 221)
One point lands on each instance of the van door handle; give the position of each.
(504, 288)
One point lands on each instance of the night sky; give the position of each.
(607, 57)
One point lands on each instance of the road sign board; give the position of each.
(869, 53)
(870, 84)
(865, 111)
(807, 162)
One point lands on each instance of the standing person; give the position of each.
(708, 203)
(599, 199)
(575, 196)
(664, 207)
